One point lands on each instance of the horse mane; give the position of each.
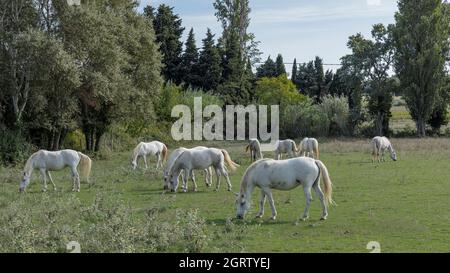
(29, 163)
(136, 150)
(245, 178)
(175, 163)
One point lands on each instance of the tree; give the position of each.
(189, 62)
(375, 58)
(209, 64)
(119, 64)
(16, 66)
(280, 68)
(294, 72)
(267, 69)
(237, 46)
(421, 41)
(168, 29)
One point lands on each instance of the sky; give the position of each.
(300, 29)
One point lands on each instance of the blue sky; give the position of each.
(295, 28)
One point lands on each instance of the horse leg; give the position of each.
(76, 180)
(227, 178)
(145, 161)
(51, 180)
(185, 180)
(218, 179)
(159, 160)
(44, 180)
(268, 193)
(193, 179)
(262, 201)
(208, 176)
(322, 201)
(307, 191)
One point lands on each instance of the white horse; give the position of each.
(172, 157)
(379, 146)
(46, 161)
(255, 149)
(309, 147)
(149, 148)
(285, 146)
(268, 174)
(190, 160)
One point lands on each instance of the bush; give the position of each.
(46, 223)
(13, 147)
(337, 111)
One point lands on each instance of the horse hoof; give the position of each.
(323, 218)
(216, 190)
(44, 190)
(229, 189)
(273, 218)
(259, 216)
(304, 219)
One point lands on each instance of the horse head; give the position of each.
(24, 182)
(242, 205)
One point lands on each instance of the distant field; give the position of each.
(403, 205)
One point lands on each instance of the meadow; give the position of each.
(402, 205)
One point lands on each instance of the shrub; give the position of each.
(13, 147)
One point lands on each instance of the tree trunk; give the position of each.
(56, 141)
(379, 124)
(98, 136)
(420, 124)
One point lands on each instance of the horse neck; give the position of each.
(29, 166)
(247, 187)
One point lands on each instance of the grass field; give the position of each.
(403, 205)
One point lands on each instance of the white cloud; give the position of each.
(374, 2)
(319, 13)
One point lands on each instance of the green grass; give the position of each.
(403, 205)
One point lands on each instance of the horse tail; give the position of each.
(164, 153)
(228, 160)
(85, 165)
(247, 147)
(328, 186)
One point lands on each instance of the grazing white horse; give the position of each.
(268, 174)
(309, 147)
(379, 146)
(190, 160)
(46, 161)
(172, 157)
(149, 148)
(255, 149)
(285, 146)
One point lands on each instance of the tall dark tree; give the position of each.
(189, 62)
(267, 69)
(237, 46)
(294, 72)
(421, 40)
(209, 64)
(280, 68)
(169, 31)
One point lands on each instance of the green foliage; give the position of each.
(168, 29)
(209, 64)
(14, 148)
(421, 41)
(108, 224)
(189, 62)
(337, 111)
(277, 91)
